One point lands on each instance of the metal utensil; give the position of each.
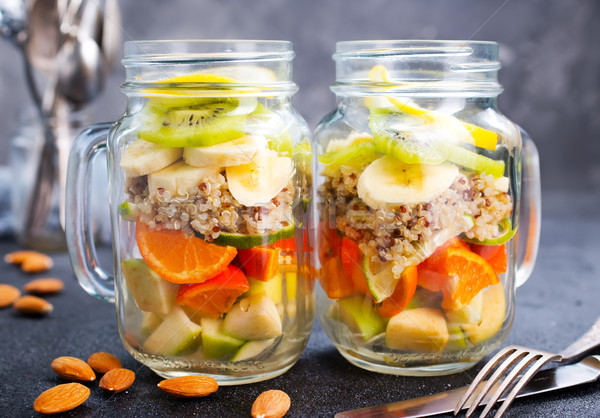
(586, 371)
(509, 356)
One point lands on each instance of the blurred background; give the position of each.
(549, 51)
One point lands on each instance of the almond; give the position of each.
(32, 306)
(103, 362)
(8, 294)
(30, 261)
(117, 380)
(44, 286)
(189, 386)
(271, 404)
(61, 398)
(72, 368)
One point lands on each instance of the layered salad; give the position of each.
(415, 218)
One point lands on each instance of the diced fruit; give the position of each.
(259, 263)
(328, 241)
(235, 152)
(403, 293)
(253, 318)
(421, 330)
(245, 241)
(150, 291)
(492, 315)
(256, 183)
(215, 343)
(333, 280)
(285, 244)
(252, 349)
(469, 313)
(174, 335)
(201, 126)
(457, 340)
(358, 313)
(142, 157)
(273, 288)
(380, 278)
(179, 179)
(128, 211)
(352, 264)
(424, 298)
(150, 321)
(214, 296)
(387, 181)
(493, 254)
(179, 258)
(354, 156)
(291, 283)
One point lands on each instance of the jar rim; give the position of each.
(412, 47)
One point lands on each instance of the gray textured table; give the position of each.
(560, 301)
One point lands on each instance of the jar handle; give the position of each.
(80, 239)
(528, 236)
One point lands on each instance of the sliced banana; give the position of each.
(388, 182)
(256, 183)
(143, 157)
(235, 152)
(179, 178)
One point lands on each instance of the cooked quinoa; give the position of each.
(209, 209)
(408, 234)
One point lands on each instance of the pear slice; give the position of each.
(253, 318)
(175, 334)
(252, 349)
(423, 330)
(358, 313)
(215, 343)
(492, 315)
(150, 291)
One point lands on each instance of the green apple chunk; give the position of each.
(150, 321)
(175, 334)
(150, 291)
(252, 349)
(456, 340)
(215, 343)
(422, 330)
(492, 315)
(128, 211)
(358, 313)
(253, 318)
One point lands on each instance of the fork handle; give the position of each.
(587, 342)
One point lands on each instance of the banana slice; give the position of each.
(238, 151)
(179, 178)
(143, 157)
(387, 181)
(256, 183)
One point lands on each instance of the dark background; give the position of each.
(549, 51)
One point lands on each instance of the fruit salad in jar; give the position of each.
(215, 191)
(415, 225)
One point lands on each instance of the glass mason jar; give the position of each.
(419, 190)
(210, 184)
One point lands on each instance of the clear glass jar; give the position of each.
(418, 199)
(210, 186)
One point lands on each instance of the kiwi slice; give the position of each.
(193, 127)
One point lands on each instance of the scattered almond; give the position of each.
(103, 362)
(117, 380)
(8, 294)
(72, 368)
(44, 286)
(32, 306)
(271, 404)
(189, 386)
(61, 398)
(30, 261)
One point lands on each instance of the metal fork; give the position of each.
(509, 356)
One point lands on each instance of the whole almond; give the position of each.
(189, 386)
(30, 261)
(44, 286)
(61, 398)
(117, 380)
(8, 294)
(32, 306)
(72, 368)
(271, 404)
(103, 362)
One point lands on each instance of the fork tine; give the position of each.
(480, 376)
(506, 364)
(547, 358)
(531, 357)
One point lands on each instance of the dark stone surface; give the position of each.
(557, 305)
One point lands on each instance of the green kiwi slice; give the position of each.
(193, 127)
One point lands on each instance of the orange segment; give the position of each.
(179, 258)
(493, 254)
(215, 296)
(260, 263)
(459, 273)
